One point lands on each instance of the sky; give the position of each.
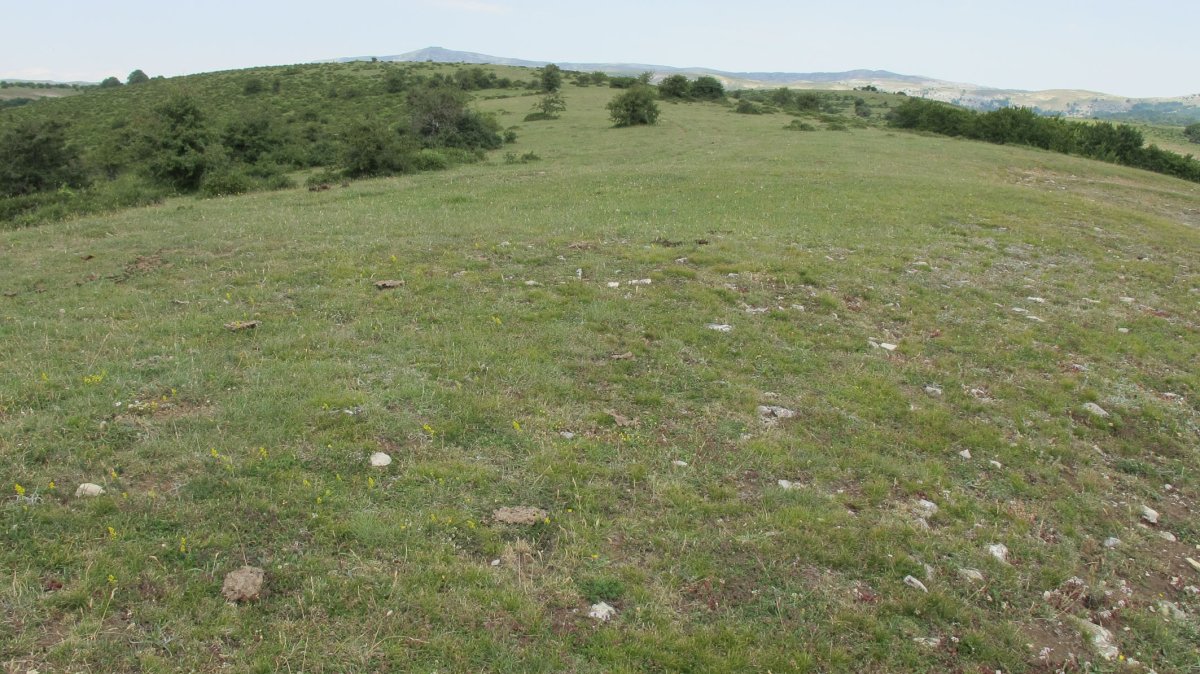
(1148, 48)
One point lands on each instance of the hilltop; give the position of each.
(773, 391)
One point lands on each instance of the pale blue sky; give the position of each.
(1145, 48)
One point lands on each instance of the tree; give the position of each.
(440, 118)
(675, 87)
(35, 156)
(109, 83)
(1192, 132)
(708, 88)
(137, 77)
(370, 148)
(549, 106)
(175, 144)
(635, 106)
(550, 78)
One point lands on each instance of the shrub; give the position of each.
(175, 144)
(635, 106)
(370, 148)
(674, 87)
(798, 125)
(748, 108)
(1192, 132)
(225, 183)
(708, 88)
(35, 156)
(550, 78)
(137, 77)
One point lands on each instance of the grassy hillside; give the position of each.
(1016, 286)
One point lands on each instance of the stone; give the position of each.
(1193, 563)
(1168, 536)
(613, 284)
(238, 326)
(999, 551)
(566, 435)
(1112, 542)
(519, 515)
(888, 347)
(1100, 638)
(966, 454)
(88, 489)
(389, 284)
(995, 464)
(933, 390)
(788, 484)
(245, 584)
(1095, 410)
(928, 642)
(641, 282)
(775, 412)
(379, 460)
(679, 463)
(915, 584)
(602, 612)
(971, 574)
(926, 508)
(720, 327)
(1123, 331)
(1149, 514)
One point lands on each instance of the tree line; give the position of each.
(1117, 144)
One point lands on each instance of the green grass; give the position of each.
(253, 445)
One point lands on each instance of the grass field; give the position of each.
(1016, 286)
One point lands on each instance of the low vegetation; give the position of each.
(704, 395)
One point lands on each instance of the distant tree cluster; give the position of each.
(680, 88)
(1192, 132)
(1120, 144)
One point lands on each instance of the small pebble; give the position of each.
(999, 551)
(379, 460)
(1150, 514)
(1112, 542)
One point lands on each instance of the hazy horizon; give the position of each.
(1099, 46)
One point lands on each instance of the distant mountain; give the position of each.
(1069, 102)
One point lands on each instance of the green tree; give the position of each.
(35, 156)
(370, 148)
(549, 106)
(550, 78)
(635, 106)
(674, 87)
(175, 144)
(109, 83)
(248, 138)
(708, 88)
(1192, 132)
(440, 118)
(137, 77)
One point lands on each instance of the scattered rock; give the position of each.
(238, 326)
(925, 508)
(973, 575)
(681, 260)
(1127, 300)
(613, 284)
(602, 612)
(1171, 610)
(922, 524)
(1112, 542)
(567, 435)
(915, 584)
(1102, 640)
(720, 327)
(1149, 514)
(788, 485)
(1095, 410)
(966, 454)
(389, 284)
(628, 355)
(532, 284)
(933, 389)
(995, 464)
(999, 551)
(1039, 300)
(88, 489)
(1123, 331)
(245, 584)
(1168, 536)
(928, 642)
(379, 460)
(679, 463)
(1193, 563)
(775, 412)
(641, 282)
(519, 515)
(620, 420)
